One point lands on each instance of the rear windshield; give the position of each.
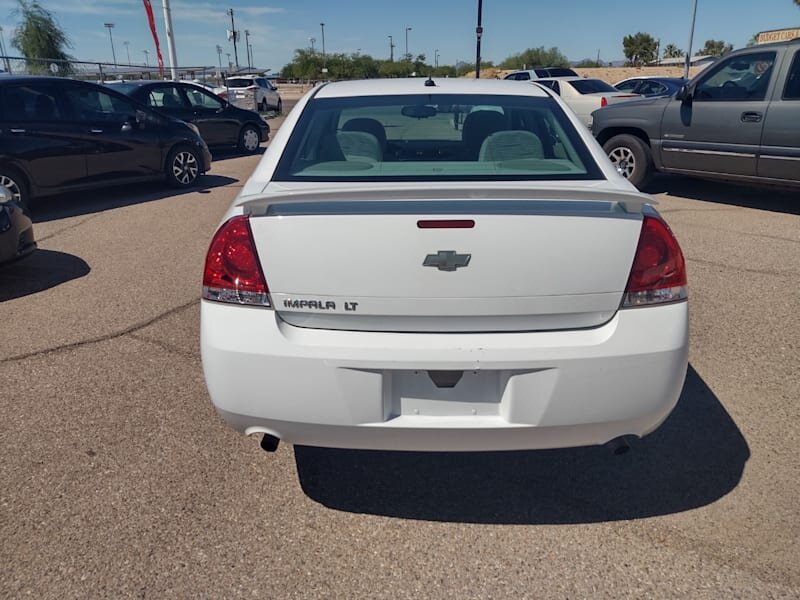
(240, 83)
(591, 86)
(560, 72)
(440, 137)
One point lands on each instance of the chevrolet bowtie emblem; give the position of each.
(447, 260)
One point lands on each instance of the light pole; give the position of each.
(313, 41)
(478, 34)
(128, 50)
(691, 39)
(391, 49)
(408, 56)
(219, 57)
(322, 27)
(230, 64)
(146, 58)
(234, 35)
(247, 47)
(110, 26)
(436, 58)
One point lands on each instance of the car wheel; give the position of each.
(263, 106)
(183, 167)
(15, 183)
(249, 139)
(631, 157)
(280, 106)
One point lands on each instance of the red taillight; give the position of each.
(232, 272)
(658, 273)
(603, 102)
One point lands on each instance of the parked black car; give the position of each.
(220, 123)
(59, 135)
(651, 86)
(16, 230)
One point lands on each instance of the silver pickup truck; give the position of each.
(737, 120)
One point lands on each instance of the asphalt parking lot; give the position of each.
(118, 479)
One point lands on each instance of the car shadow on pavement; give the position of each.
(73, 204)
(696, 457)
(42, 270)
(228, 153)
(720, 192)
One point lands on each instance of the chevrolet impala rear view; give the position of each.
(441, 265)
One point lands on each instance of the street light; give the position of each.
(322, 27)
(247, 47)
(478, 35)
(219, 57)
(235, 36)
(313, 41)
(110, 26)
(391, 49)
(408, 56)
(436, 58)
(128, 50)
(146, 58)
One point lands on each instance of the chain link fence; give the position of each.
(100, 71)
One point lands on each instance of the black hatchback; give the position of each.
(220, 123)
(59, 135)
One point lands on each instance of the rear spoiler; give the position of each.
(448, 201)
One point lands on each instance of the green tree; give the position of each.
(40, 39)
(535, 57)
(640, 48)
(672, 51)
(715, 48)
(588, 63)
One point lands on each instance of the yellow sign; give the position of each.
(778, 35)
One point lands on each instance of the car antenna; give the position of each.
(429, 82)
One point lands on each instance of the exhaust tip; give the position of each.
(269, 443)
(618, 446)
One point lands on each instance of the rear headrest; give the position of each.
(478, 126)
(367, 125)
(511, 145)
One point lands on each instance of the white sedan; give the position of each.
(584, 96)
(391, 277)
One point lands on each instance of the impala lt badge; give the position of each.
(447, 260)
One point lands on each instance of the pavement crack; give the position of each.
(171, 348)
(102, 338)
(67, 228)
(737, 268)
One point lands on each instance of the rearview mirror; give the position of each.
(419, 111)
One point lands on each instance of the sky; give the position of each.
(579, 28)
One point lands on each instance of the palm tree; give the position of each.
(672, 51)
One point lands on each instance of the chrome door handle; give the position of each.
(12, 130)
(95, 131)
(751, 117)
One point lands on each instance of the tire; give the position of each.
(631, 157)
(249, 139)
(183, 167)
(18, 186)
(263, 107)
(279, 108)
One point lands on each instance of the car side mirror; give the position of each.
(685, 94)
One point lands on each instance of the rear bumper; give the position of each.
(372, 390)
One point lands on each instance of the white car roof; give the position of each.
(416, 85)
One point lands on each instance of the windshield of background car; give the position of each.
(440, 137)
(592, 86)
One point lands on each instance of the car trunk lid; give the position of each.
(519, 261)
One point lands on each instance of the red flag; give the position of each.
(149, 9)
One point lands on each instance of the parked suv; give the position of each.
(252, 92)
(738, 120)
(540, 72)
(59, 135)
